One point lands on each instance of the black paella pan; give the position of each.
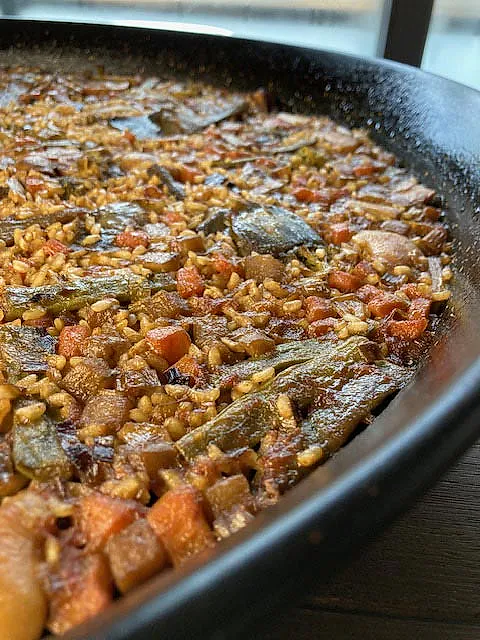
(432, 125)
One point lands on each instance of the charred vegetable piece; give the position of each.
(137, 382)
(260, 267)
(164, 304)
(179, 119)
(178, 520)
(87, 378)
(135, 554)
(114, 218)
(24, 350)
(244, 422)
(331, 426)
(174, 187)
(215, 221)
(142, 127)
(58, 298)
(270, 229)
(104, 413)
(37, 450)
(160, 262)
(9, 225)
(226, 493)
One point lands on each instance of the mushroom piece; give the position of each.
(391, 248)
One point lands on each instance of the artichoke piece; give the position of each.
(58, 298)
(37, 450)
(114, 218)
(270, 229)
(247, 420)
(174, 187)
(174, 119)
(142, 127)
(9, 225)
(215, 221)
(24, 350)
(331, 426)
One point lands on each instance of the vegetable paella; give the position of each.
(202, 298)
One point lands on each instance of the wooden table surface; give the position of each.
(419, 580)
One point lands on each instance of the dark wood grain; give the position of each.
(327, 625)
(421, 579)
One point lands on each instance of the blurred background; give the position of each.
(452, 46)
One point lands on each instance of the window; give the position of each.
(353, 26)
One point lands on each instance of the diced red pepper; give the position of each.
(339, 232)
(53, 246)
(189, 282)
(71, 340)
(406, 329)
(321, 327)
(132, 239)
(101, 516)
(170, 343)
(178, 520)
(384, 303)
(343, 281)
(318, 308)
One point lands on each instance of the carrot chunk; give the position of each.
(170, 343)
(343, 281)
(101, 516)
(71, 340)
(339, 232)
(384, 303)
(178, 520)
(189, 282)
(406, 329)
(318, 308)
(321, 327)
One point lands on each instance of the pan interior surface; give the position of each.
(432, 127)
